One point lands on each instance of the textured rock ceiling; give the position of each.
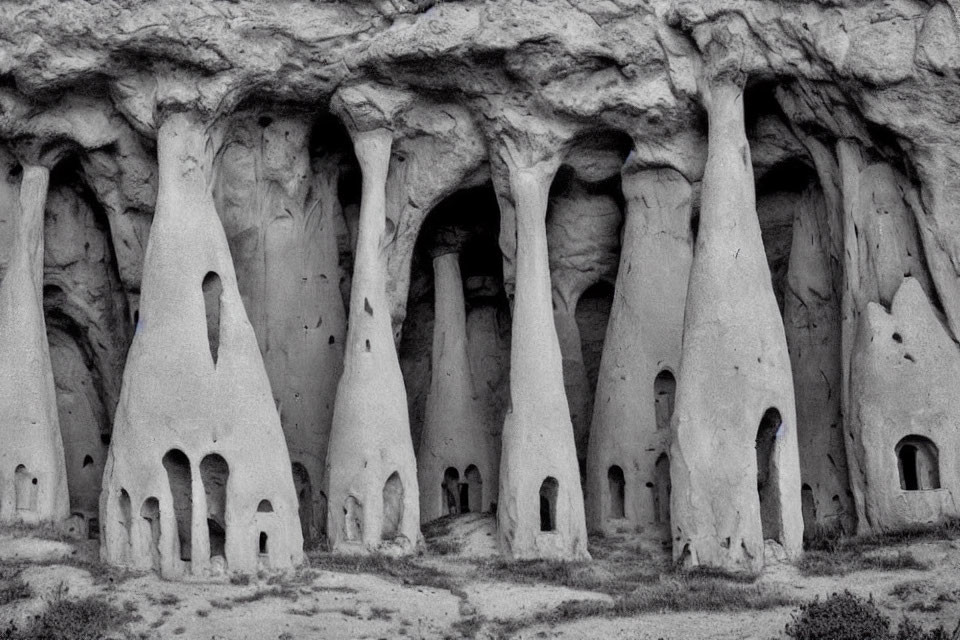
(448, 76)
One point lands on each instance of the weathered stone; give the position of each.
(197, 466)
(628, 468)
(733, 460)
(33, 478)
(371, 470)
(903, 451)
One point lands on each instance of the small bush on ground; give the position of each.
(91, 618)
(842, 616)
(845, 616)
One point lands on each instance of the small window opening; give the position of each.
(212, 290)
(263, 543)
(548, 504)
(264, 507)
(617, 485)
(918, 461)
(664, 391)
(87, 460)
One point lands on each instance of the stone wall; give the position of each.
(795, 164)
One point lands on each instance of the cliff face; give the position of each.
(850, 112)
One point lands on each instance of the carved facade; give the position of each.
(668, 271)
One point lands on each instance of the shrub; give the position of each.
(842, 616)
(91, 618)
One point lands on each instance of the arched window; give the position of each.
(215, 473)
(472, 498)
(150, 511)
(664, 390)
(617, 485)
(392, 507)
(918, 462)
(264, 507)
(548, 504)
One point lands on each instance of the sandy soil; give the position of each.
(316, 603)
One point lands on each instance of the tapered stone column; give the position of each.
(735, 434)
(371, 468)
(455, 433)
(197, 465)
(628, 481)
(540, 509)
(33, 475)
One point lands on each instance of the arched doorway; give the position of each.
(617, 487)
(215, 473)
(474, 490)
(179, 477)
(768, 486)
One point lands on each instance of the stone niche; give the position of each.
(903, 435)
(459, 441)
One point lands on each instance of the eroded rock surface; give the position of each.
(534, 130)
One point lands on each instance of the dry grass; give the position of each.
(839, 563)
(686, 591)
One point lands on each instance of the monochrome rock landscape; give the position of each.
(276, 275)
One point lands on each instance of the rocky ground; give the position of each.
(459, 589)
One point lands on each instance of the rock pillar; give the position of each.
(812, 325)
(903, 439)
(734, 468)
(33, 477)
(455, 434)
(371, 469)
(198, 474)
(628, 481)
(540, 509)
